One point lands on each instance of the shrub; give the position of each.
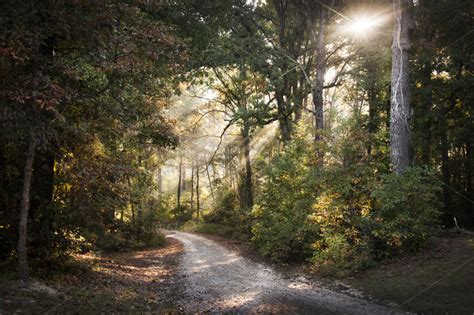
(342, 214)
(279, 230)
(228, 216)
(345, 217)
(406, 208)
(339, 257)
(363, 217)
(227, 210)
(182, 214)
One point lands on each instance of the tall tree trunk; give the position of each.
(198, 201)
(191, 202)
(372, 124)
(41, 215)
(400, 110)
(226, 161)
(318, 87)
(300, 103)
(160, 183)
(132, 204)
(246, 198)
(23, 271)
(214, 172)
(372, 99)
(180, 169)
(183, 180)
(210, 183)
(284, 119)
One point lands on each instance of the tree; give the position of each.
(242, 96)
(92, 88)
(24, 208)
(318, 99)
(400, 110)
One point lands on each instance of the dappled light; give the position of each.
(222, 156)
(218, 281)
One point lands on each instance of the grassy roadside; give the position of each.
(137, 282)
(437, 281)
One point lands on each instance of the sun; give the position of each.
(363, 24)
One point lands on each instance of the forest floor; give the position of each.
(133, 282)
(438, 280)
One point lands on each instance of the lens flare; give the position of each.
(362, 25)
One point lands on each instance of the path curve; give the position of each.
(217, 280)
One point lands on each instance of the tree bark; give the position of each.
(284, 119)
(318, 99)
(400, 109)
(183, 181)
(180, 169)
(246, 198)
(372, 124)
(23, 271)
(191, 201)
(132, 203)
(160, 183)
(226, 161)
(300, 103)
(210, 183)
(198, 201)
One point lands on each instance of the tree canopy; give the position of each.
(336, 132)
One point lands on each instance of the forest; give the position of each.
(330, 133)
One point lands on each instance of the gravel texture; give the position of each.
(217, 280)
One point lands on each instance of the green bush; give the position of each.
(341, 213)
(226, 211)
(279, 230)
(340, 255)
(182, 214)
(363, 217)
(406, 208)
(228, 215)
(345, 217)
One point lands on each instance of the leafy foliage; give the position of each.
(93, 82)
(342, 218)
(92, 88)
(280, 228)
(407, 208)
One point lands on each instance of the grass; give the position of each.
(437, 281)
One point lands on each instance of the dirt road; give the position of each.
(217, 280)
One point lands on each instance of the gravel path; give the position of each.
(217, 280)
